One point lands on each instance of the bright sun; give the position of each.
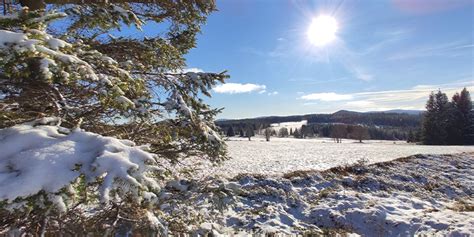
(322, 30)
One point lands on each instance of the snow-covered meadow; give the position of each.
(423, 194)
(283, 155)
(419, 195)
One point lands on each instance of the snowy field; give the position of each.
(426, 195)
(282, 155)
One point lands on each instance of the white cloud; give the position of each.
(364, 76)
(236, 88)
(359, 72)
(329, 96)
(273, 93)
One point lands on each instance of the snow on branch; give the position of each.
(51, 159)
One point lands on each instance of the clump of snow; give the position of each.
(17, 41)
(125, 101)
(51, 158)
(55, 44)
(44, 67)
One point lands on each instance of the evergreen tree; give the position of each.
(304, 131)
(436, 119)
(457, 122)
(469, 135)
(230, 132)
(462, 118)
(411, 137)
(133, 88)
(296, 133)
(291, 131)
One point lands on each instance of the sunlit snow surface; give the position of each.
(427, 195)
(282, 155)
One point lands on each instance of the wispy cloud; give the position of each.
(312, 81)
(327, 96)
(449, 49)
(361, 74)
(280, 49)
(273, 93)
(360, 103)
(385, 39)
(412, 98)
(353, 62)
(237, 88)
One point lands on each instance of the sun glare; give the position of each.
(322, 30)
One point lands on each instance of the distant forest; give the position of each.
(342, 124)
(443, 123)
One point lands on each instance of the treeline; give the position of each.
(379, 126)
(387, 119)
(336, 131)
(448, 122)
(373, 132)
(368, 119)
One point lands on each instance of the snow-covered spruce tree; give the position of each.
(67, 69)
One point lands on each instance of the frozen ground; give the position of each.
(428, 195)
(283, 155)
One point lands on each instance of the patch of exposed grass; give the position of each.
(462, 205)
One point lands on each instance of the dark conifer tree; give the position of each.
(230, 132)
(436, 119)
(457, 122)
(411, 137)
(296, 133)
(463, 104)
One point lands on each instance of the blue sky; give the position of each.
(387, 55)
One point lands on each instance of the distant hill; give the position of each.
(400, 111)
